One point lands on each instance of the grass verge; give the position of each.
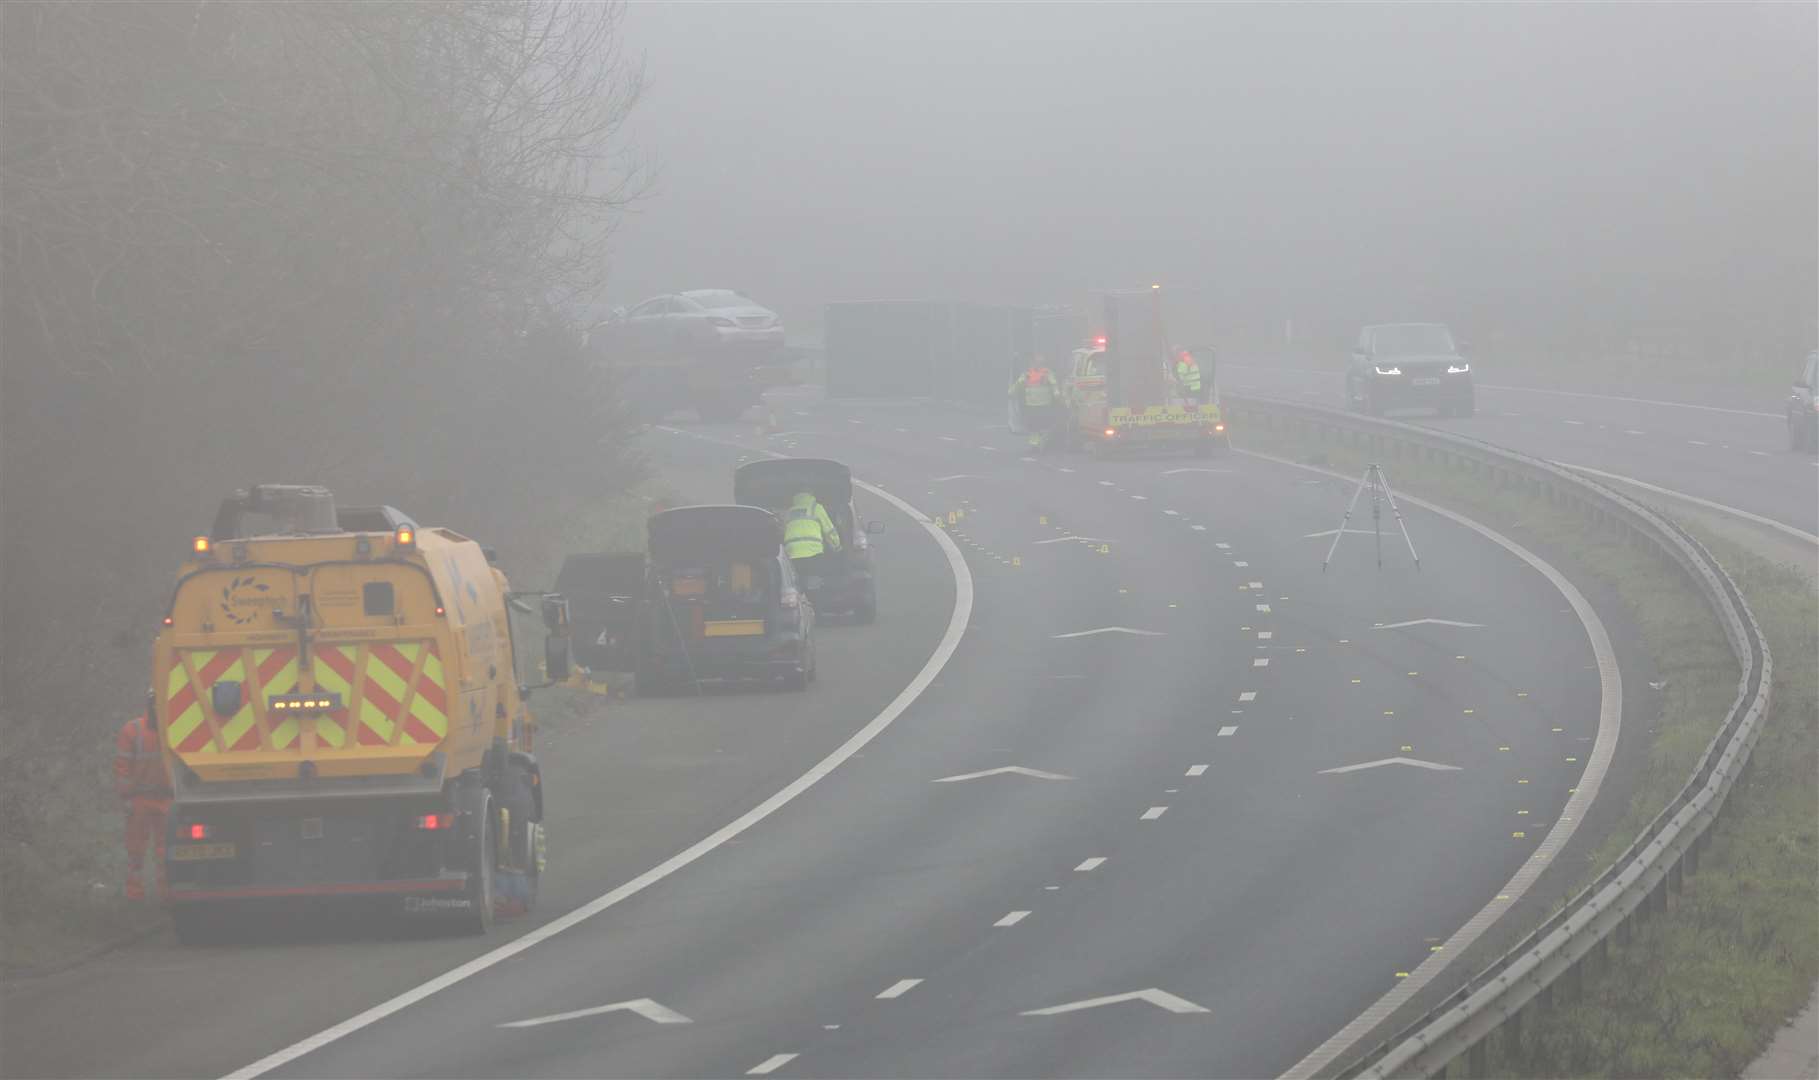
(1701, 990)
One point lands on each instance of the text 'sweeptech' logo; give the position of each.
(244, 597)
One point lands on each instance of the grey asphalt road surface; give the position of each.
(630, 786)
(1206, 856)
(1729, 450)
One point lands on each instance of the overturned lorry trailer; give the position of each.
(954, 352)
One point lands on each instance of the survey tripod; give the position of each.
(1379, 487)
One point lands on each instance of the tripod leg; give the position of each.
(1340, 535)
(1397, 510)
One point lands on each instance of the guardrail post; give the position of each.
(1673, 882)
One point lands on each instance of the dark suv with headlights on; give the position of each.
(1409, 365)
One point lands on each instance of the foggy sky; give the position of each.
(1579, 164)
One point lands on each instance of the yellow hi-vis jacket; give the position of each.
(1040, 390)
(807, 530)
(1187, 372)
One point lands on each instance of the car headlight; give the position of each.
(1391, 370)
(1458, 369)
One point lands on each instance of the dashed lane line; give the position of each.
(1229, 729)
(898, 989)
(1610, 721)
(1153, 813)
(1197, 770)
(1012, 918)
(1087, 866)
(944, 650)
(771, 1064)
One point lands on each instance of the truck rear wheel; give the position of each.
(477, 918)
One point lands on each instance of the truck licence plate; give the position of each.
(193, 852)
(1428, 380)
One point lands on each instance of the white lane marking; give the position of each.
(899, 988)
(1228, 729)
(900, 431)
(1172, 513)
(1029, 459)
(1223, 547)
(1012, 919)
(1089, 865)
(1698, 442)
(944, 651)
(1256, 584)
(771, 1064)
(1416, 762)
(1106, 483)
(1174, 472)
(1761, 453)
(1072, 539)
(1162, 999)
(1248, 695)
(1141, 498)
(1063, 470)
(947, 438)
(1239, 562)
(1153, 813)
(1265, 635)
(1261, 661)
(1335, 532)
(1633, 431)
(1264, 608)
(1771, 523)
(1575, 423)
(1632, 400)
(982, 446)
(1005, 770)
(787, 434)
(1610, 723)
(1197, 770)
(645, 1007)
(956, 476)
(851, 421)
(1110, 630)
(1425, 622)
(1199, 528)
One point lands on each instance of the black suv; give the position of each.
(720, 603)
(1409, 365)
(1803, 408)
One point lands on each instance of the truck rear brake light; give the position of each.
(199, 831)
(434, 822)
(1111, 432)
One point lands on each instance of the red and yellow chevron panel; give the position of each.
(393, 695)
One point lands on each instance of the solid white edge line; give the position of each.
(1632, 400)
(1610, 723)
(944, 650)
(1536, 390)
(1768, 522)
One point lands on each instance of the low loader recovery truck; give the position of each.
(1118, 393)
(340, 702)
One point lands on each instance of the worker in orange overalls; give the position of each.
(144, 789)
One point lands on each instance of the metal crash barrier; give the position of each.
(1656, 862)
